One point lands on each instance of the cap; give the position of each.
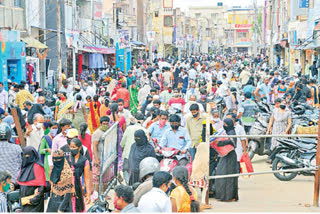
(72, 133)
(77, 87)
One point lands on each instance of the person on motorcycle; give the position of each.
(176, 102)
(178, 138)
(148, 167)
(157, 129)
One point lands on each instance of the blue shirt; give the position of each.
(129, 80)
(264, 91)
(156, 132)
(248, 88)
(48, 111)
(179, 140)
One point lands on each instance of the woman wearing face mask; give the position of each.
(226, 189)
(31, 181)
(62, 185)
(233, 100)
(79, 113)
(94, 115)
(80, 166)
(139, 150)
(63, 107)
(217, 123)
(280, 123)
(183, 197)
(46, 146)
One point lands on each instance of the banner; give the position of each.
(72, 37)
(151, 36)
(303, 3)
(123, 36)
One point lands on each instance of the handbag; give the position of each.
(245, 164)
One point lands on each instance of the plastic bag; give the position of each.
(245, 164)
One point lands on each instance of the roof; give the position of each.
(33, 43)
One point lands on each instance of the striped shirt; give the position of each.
(3, 203)
(10, 158)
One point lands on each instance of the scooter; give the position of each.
(169, 160)
(13, 201)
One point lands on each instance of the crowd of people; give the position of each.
(161, 104)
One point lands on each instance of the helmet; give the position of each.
(147, 166)
(5, 131)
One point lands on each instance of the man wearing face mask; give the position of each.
(123, 111)
(157, 129)
(249, 110)
(46, 109)
(176, 102)
(194, 126)
(177, 137)
(35, 131)
(66, 87)
(5, 180)
(61, 139)
(166, 94)
(156, 200)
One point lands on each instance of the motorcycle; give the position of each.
(169, 160)
(13, 201)
(292, 154)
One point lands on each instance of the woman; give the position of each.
(281, 89)
(94, 115)
(85, 137)
(183, 198)
(80, 166)
(133, 91)
(62, 185)
(45, 147)
(31, 181)
(79, 113)
(139, 150)
(280, 123)
(115, 117)
(226, 189)
(63, 107)
(104, 109)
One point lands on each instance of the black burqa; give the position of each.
(35, 109)
(139, 150)
(226, 189)
(32, 177)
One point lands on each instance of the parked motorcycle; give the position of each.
(13, 201)
(292, 154)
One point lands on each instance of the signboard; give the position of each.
(97, 10)
(242, 31)
(304, 3)
(123, 36)
(230, 19)
(243, 25)
(131, 21)
(151, 35)
(72, 37)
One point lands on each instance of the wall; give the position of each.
(11, 16)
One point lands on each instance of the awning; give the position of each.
(137, 43)
(99, 49)
(33, 43)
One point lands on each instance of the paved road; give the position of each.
(265, 193)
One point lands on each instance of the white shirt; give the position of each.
(35, 137)
(127, 115)
(90, 91)
(192, 74)
(239, 131)
(3, 99)
(155, 201)
(222, 91)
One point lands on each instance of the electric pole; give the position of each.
(58, 45)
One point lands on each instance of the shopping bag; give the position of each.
(222, 150)
(245, 164)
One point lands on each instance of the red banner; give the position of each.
(243, 25)
(242, 31)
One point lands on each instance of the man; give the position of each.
(194, 126)
(84, 73)
(97, 149)
(156, 200)
(124, 112)
(192, 73)
(130, 78)
(157, 129)
(61, 139)
(123, 198)
(166, 95)
(249, 108)
(166, 76)
(66, 87)
(222, 90)
(147, 167)
(192, 91)
(264, 90)
(12, 95)
(128, 140)
(5, 180)
(124, 94)
(176, 102)
(144, 80)
(244, 76)
(178, 138)
(35, 132)
(90, 90)
(192, 100)
(297, 67)
(3, 97)
(23, 96)
(10, 154)
(46, 109)
(63, 75)
(149, 70)
(314, 70)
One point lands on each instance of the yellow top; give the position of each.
(183, 200)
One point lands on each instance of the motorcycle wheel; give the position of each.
(285, 176)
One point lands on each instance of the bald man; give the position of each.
(46, 109)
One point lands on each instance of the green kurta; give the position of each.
(133, 99)
(43, 146)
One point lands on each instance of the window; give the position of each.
(168, 21)
(208, 32)
(18, 3)
(242, 35)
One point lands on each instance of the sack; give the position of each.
(307, 130)
(245, 164)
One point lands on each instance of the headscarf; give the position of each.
(229, 128)
(36, 109)
(27, 171)
(61, 175)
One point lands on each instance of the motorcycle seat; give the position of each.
(306, 146)
(308, 140)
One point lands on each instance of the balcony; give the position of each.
(12, 17)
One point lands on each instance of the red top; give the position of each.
(40, 179)
(124, 94)
(87, 143)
